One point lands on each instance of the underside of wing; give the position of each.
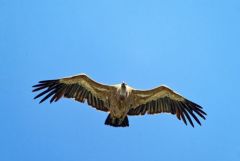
(79, 87)
(164, 100)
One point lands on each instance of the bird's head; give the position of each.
(123, 85)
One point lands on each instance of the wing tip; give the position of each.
(48, 81)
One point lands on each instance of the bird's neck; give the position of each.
(123, 92)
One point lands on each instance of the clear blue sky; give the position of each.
(191, 46)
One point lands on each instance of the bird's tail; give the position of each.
(116, 122)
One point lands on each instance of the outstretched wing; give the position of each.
(79, 87)
(163, 99)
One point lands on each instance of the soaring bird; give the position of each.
(120, 100)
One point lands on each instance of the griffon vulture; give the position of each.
(120, 100)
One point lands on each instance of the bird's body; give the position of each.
(120, 100)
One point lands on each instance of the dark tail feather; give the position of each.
(116, 122)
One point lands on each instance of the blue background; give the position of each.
(191, 46)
